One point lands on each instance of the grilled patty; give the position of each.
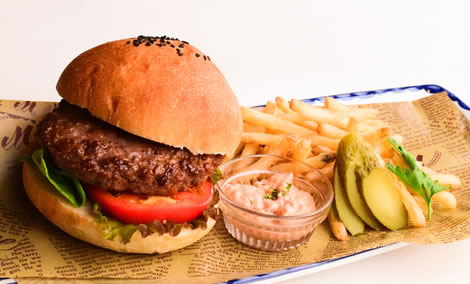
(110, 158)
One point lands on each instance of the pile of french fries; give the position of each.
(311, 134)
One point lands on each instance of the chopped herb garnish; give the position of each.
(415, 177)
(286, 189)
(273, 195)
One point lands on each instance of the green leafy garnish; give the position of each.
(273, 195)
(114, 228)
(216, 176)
(415, 177)
(64, 182)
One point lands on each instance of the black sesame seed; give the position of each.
(197, 55)
(205, 57)
(148, 44)
(208, 58)
(180, 54)
(128, 42)
(181, 45)
(172, 45)
(136, 43)
(141, 37)
(185, 42)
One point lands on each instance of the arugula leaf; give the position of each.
(414, 177)
(65, 183)
(113, 228)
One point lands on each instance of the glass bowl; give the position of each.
(264, 230)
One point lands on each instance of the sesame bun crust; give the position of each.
(79, 222)
(157, 92)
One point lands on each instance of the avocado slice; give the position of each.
(346, 213)
(383, 200)
(355, 159)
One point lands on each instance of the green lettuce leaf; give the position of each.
(64, 182)
(113, 228)
(216, 176)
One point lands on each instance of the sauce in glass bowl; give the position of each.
(272, 210)
(276, 195)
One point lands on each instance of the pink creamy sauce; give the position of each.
(275, 195)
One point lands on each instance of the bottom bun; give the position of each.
(79, 222)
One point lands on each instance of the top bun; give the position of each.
(159, 88)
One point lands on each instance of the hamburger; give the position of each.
(126, 157)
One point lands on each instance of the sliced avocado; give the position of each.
(355, 159)
(346, 213)
(383, 200)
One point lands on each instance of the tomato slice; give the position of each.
(142, 209)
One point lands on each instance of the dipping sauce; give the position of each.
(275, 195)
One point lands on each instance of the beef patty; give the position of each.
(110, 158)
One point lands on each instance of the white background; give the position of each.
(295, 49)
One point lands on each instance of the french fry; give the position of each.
(318, 140)
(319, 149)
(374, 123)
(302, 150)
(293, 167)
(357, 113)
(337, 227)
(443, 179)
(363, 113)
(422, 204)
(335, 105)
(279, 150)
(331, 131)
(271, 108)
(321, 160)
(234, 153)
(283, 105)
(299, 120)
(319, 115)
(250, 148)
(415, 214)
(248, 127)
(262, 138)
(358, 127)
(328, 170)
(273, 122)
(377, 134)
(354, 126)
(446, 199)
(310, 124)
